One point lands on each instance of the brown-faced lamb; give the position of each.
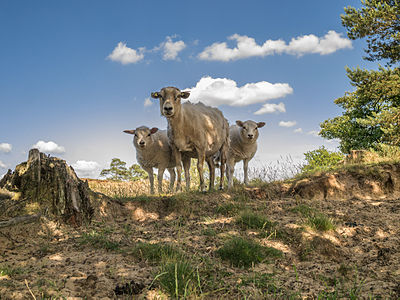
(243, 146)
(194, 130)
(153, 151)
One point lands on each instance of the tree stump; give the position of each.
(48, 185)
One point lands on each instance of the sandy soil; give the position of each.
(360, 257)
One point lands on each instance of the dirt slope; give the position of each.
(360, 257)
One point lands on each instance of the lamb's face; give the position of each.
(142, 136)
(249, 129)
(170, 100)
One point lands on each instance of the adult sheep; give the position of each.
(153, 151)
(243, 146)
(194, 130)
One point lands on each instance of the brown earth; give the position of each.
(360, 257)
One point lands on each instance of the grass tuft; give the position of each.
(244, 253)
(250, 220)
(155, 253)
(315, 219)
(98, 240)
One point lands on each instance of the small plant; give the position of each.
(315, 219)
(178, 278)
(321, 159)
(155, 252)
(8, 271)
(321, 222)
(252, 220)
(264, 282)
(98, 240)
(243, 253)
(228, 209)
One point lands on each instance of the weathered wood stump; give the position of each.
(50, 186)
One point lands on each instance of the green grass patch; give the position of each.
(178, 278)
(250, 220)
(228, 209)
(314, 218)
(155, 253)
(320, 222)
(98, 240)
(8, 271)
(244, 253)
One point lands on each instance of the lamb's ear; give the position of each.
(239, 123)
(260, 124)
(130, 131)
(153, 130)
(185, 95)
(155, 95)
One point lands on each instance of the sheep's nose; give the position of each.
(250, 136)
(141, 143)
(168, 108)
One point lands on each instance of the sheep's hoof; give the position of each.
(221, 188)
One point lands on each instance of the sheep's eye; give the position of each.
(149, 134)
(135, 135)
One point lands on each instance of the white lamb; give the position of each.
(243, 146)
(153, 151)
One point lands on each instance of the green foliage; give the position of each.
(155, 252)
(178, 278)
(371, 113)
(9, 271)
(321, 159)
(252, 220)
(379, 22)
(98, 240)
(119, 171)
(244, 253)
(314, 218)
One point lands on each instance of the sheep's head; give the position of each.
(170, 100)
(142, 136)
(249, 129)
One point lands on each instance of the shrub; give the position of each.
(321, 159)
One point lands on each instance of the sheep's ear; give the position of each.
(155, 95)
(260, 124)
(185, 95)
(153, 130)
(239, 123)
(129, 131)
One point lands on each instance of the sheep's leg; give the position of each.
(200, 168)
(178, 161)
(151, 179)
(186, 167)
(222, 166)
(245, 170)
(171, 179)
(211, 168)
(229, 171)
(160, 176)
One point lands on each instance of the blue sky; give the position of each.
(75, 74)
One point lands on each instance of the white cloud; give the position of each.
(218, 91)
(313, 133)
(5, 147)
(298, 130)
(147, 102)
(126, 55)
(3, 165)
(49, 147)
(86, 168)
(287, 123)
(171, 49)
(269, 108)
(247, 47)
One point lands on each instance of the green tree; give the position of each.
(119, 171)
(371, 112)
(379, 22)
(321, 159)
